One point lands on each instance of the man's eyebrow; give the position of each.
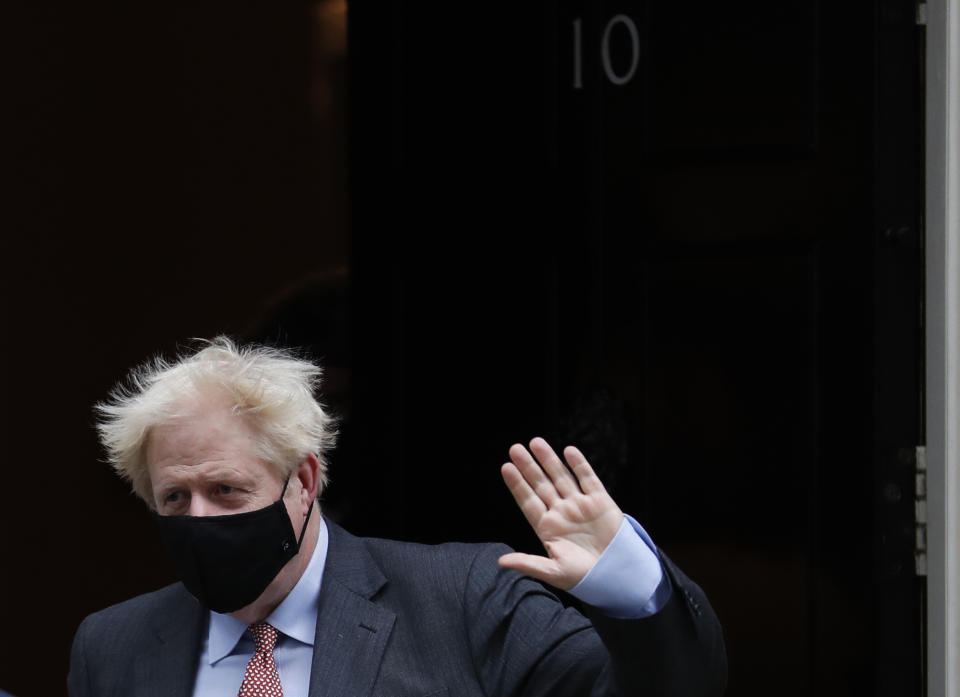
(217, 472)
(228, 471)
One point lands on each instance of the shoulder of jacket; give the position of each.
(140, 607)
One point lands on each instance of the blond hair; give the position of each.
(271, 388)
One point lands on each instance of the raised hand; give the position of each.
(571, 512)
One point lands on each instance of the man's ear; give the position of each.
(308, 473)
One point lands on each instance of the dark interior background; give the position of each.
(684, 237)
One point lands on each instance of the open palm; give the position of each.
(568, 507)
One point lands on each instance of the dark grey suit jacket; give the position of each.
(401, 619)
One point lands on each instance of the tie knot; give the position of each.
(264, 636)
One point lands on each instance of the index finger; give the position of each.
(530, 504)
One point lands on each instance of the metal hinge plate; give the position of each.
(920, 512)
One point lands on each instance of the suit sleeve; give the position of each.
(524, 642)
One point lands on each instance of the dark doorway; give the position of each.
(685, 237)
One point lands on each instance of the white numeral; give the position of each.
(612, 76)
(634, 50)
(577, 63)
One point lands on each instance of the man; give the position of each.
(228, 446)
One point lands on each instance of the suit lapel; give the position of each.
(170, 668)
(352, 631)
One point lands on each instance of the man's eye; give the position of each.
(173, 497)
(224, 489)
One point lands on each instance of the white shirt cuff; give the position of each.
(627, 581)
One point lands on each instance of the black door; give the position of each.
(684, 236)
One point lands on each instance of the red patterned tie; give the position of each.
(261, 678)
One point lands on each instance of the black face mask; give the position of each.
(227, 561)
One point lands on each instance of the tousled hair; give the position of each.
(271, 388)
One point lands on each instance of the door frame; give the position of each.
(943, 344)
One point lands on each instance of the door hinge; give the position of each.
(921, 17)
(920, 512)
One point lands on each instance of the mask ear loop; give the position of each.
(305, 521)
(303, 530)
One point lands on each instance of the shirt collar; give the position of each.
(295, 616)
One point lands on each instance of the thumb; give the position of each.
(541, 568)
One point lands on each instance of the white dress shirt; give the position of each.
(228, 646)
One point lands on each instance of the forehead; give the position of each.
(209, 436)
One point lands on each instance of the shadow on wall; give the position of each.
(313, 317)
